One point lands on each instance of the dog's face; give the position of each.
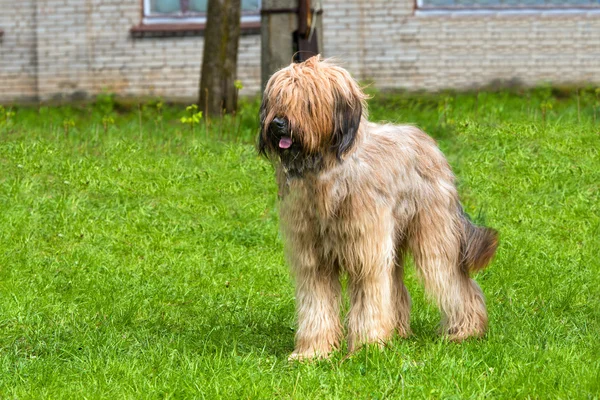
(309, 111)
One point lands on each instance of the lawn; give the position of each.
(140, 256)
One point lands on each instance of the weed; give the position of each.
(159, 114)
(193, 118)
(68, 124)
(107, 122)
(6, 116)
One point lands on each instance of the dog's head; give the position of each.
(310, 109)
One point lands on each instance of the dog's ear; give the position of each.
(346, 121)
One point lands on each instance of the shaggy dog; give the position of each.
(356, 197)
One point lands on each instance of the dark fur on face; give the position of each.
(310, 112)
(295, 160)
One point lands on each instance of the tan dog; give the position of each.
(356, 197)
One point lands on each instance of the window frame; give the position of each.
(187, 17)
(419, 6)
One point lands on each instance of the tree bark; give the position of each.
(218, 93)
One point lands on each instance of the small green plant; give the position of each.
(238, 86)
(158, 120)
(105, 103)
(546, 106)
(6, 116)
(476, 104)
(547, 101)
(445, 109)
(107, 122)
(597, 104)
(590, 100)
(68, 124)
(140, 119)
(194, 117)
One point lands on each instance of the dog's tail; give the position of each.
(477, 246)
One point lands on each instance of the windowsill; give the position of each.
(185, 29)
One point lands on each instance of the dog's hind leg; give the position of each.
(401, 297)
(435, 242)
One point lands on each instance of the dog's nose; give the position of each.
(279, 124)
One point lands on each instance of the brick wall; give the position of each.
(85, 47)
(395, 48)
(55, 49)
(17, 52)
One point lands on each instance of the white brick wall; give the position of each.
(395, 48)
(70, 48)
(84, 48)
(17, 51)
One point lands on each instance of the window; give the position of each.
(506, 4)
(191, 11)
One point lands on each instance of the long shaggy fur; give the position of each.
(355, 198)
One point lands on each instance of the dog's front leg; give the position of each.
(318, 306)
(372, 317)
(373, 313)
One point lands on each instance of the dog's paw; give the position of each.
(461, 334)
(295, 357)
(404, 332)
(304, 356)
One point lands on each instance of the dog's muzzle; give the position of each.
(279, 129)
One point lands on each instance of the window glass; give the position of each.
(193, 7)
(165, 6)
(199, 6)
(250, 6)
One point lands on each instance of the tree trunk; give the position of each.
(218, 93)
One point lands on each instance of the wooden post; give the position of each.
(279, 22)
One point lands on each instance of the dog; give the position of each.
(356, 198)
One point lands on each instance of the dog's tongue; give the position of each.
(285, 142)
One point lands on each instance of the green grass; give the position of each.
(140, 259)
